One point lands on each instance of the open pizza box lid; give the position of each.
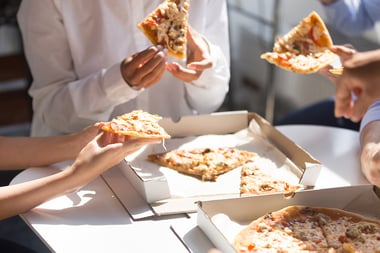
(168, 192)
(221, 220)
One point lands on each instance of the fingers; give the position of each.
(344, 52)
(362, 58)
(144, 56)
(200, 65)
(343, 100)
(184, 74)
(326, 72)
(145, 68)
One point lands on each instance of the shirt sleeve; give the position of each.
(61, 99)
(353, 17)
(208, 92)
(372, 114)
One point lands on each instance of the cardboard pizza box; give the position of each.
(221, 220)
(156, 188)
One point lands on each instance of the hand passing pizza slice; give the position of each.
(205, 163)
(137, 124)
(304, 49)
(167, 26)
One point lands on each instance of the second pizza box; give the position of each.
(168, 191)
(221, 220)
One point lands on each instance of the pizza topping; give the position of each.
(304, 49)
(309, 229)
(137, 124)
(167, 26)
(206, 163)
(257, 179)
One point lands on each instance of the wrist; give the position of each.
(123, 75)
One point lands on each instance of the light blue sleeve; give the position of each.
(372, 114)
(353, 17)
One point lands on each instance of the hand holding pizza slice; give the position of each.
(305, 49)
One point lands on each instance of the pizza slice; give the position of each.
(305, 48)
(349, 232)
(258, 180)
(291, 229)
(167, 26)
(137, 124)
(205, 163)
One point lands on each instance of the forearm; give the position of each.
(24, 152)
(19, 198)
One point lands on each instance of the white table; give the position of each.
(94, 220)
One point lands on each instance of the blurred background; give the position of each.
(255, 85)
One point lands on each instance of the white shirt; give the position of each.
(74, 49)
(353, 17)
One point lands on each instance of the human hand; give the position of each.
(144, 68)
(198, 58)
(103, 152)
(360, 78)
(345, 52)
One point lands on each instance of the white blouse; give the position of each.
(74, 49)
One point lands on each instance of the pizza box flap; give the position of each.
(309, 166)
(221, 220)
(214, 123)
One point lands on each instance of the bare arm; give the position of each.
(24, 152)
(102, 153)
(370, 152)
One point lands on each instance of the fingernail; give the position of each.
(159, 47)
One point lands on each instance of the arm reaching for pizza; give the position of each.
(97, 153)
(198, 58)
(360, 78)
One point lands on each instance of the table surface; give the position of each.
(94, 220)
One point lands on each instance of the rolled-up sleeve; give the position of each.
(372, 114)
(208, 92)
